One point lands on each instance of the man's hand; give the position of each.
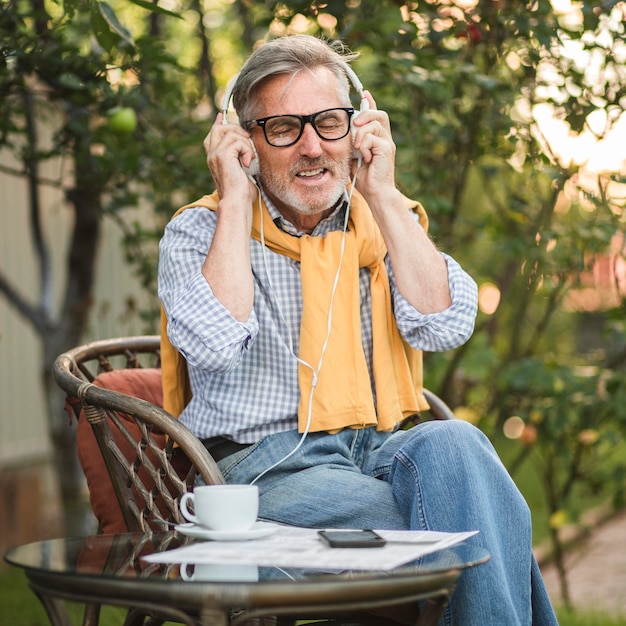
(227, 147)
(376, 177)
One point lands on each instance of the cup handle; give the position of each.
(184, 508)
(184, 571)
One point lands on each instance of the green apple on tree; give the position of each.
(122, 120)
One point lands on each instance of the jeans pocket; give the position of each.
(231, 464)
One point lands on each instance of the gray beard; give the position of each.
(287, 196)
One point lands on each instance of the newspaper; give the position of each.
(298, 547)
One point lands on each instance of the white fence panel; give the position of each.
(23, 431)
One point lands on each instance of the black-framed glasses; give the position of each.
(282, 131)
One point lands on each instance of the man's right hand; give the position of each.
(228, 147)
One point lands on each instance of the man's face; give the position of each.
(308, 177)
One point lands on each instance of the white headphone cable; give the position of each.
(315, 372)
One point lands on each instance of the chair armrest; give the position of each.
(90, 394)
(438, 408)
(138, 459)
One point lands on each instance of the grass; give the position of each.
(588, 618)
(19, 607)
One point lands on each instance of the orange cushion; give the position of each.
(140, 383)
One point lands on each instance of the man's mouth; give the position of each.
(311, 173)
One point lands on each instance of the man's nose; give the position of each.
(310, 143)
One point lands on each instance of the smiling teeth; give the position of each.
(311, 173)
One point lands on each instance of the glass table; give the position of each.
(109, 570)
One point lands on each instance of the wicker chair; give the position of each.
(147, 459)
(135, 454)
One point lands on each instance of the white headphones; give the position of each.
(364, 105)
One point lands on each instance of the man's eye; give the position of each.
(329, 122)
(284, 127)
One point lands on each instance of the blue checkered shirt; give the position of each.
(244, 376)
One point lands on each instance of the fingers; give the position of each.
(228, 147)
(373, 139)
(372, 133)
(226, 134)
(370, 100)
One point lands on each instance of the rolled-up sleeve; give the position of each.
(445, 330)
(199, 326)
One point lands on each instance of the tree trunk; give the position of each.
(62, 331)
(68, 332)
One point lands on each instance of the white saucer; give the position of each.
(260, 529)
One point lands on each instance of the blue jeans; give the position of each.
(440, 475)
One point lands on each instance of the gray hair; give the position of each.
(289, 55)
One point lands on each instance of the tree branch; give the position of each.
(31, 163)
(205, 64)
(33, 314)
(48, 182)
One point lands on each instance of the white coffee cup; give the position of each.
(222, 507)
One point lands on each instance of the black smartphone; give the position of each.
(352, 538)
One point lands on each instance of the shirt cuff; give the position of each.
(445, 329)
(201, 327)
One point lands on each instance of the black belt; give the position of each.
(220, 447)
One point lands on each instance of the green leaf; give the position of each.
(104, 36)
(155, 8)
(114, 24)
(71, 81)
